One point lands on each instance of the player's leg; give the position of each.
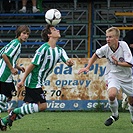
(128, 90)
(34, 8)
(38, 103)
(130, 101)
(112, 90)
(6, 90)
(18, 113)
(113, 105)
(3, 101)
(24, 110)
(124, 101)
(3, 98)
(23, 10)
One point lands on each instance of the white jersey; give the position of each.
(123, 54)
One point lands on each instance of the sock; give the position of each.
(131, 111)
(27, 109)
(24, 7)
(19, 116)
(23, 110)
(3, 101)
(4, 119)
(34, 8)
(114, 107)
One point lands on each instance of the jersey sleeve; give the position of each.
(12, 48)
(127, 52)
(64, 56)
(101, 52)
(2, 51)
(38, 56)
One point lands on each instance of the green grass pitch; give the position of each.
(70, 122)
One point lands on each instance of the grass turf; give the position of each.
(70, 122)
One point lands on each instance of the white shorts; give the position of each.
(126, 87)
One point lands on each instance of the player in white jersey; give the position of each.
(43, 62)
(8, 65)
(119, 71)
(129, 39)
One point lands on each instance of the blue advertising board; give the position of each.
(68, 105)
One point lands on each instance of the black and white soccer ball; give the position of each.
(53, 17)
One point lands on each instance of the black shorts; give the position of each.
(7, 89)
(34, 95)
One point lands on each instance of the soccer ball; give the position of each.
(53, 17)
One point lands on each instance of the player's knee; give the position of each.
(112, 92)
(130, 100)
(111, 97)
(42, 106)
(3, 98)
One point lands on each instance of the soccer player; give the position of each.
(9, 55)
(119, 71)
(43, 62)
(129, 40)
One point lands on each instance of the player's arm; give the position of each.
(8, 63)
(90, 62)
(27, 71)
(69, 62)
(20, 68)
(124, 64)
(131, 45)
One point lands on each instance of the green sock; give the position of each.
(27, 109)
(4, 120)
(21, 111)
(17, 111)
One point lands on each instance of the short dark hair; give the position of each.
(22, 28)
(45, 32)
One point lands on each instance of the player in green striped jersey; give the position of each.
(8, 65)
(43, 62)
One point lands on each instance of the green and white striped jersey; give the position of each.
(44, 60)
(12, 50)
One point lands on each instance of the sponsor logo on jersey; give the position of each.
(121, 59)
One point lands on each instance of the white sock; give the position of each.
(114, 107)
(34, 8)
(29, 108)
(131, 111)
(24, 7)
(3, 102)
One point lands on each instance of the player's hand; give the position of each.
(115, 60)
(14, 71)
(20, 84)
(69, 63)
(83, 70)
(22, 69)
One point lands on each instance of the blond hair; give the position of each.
(115, 29)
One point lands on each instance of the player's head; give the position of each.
(22, 28)
(112, 36)
(114, 30)
(49, 31)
